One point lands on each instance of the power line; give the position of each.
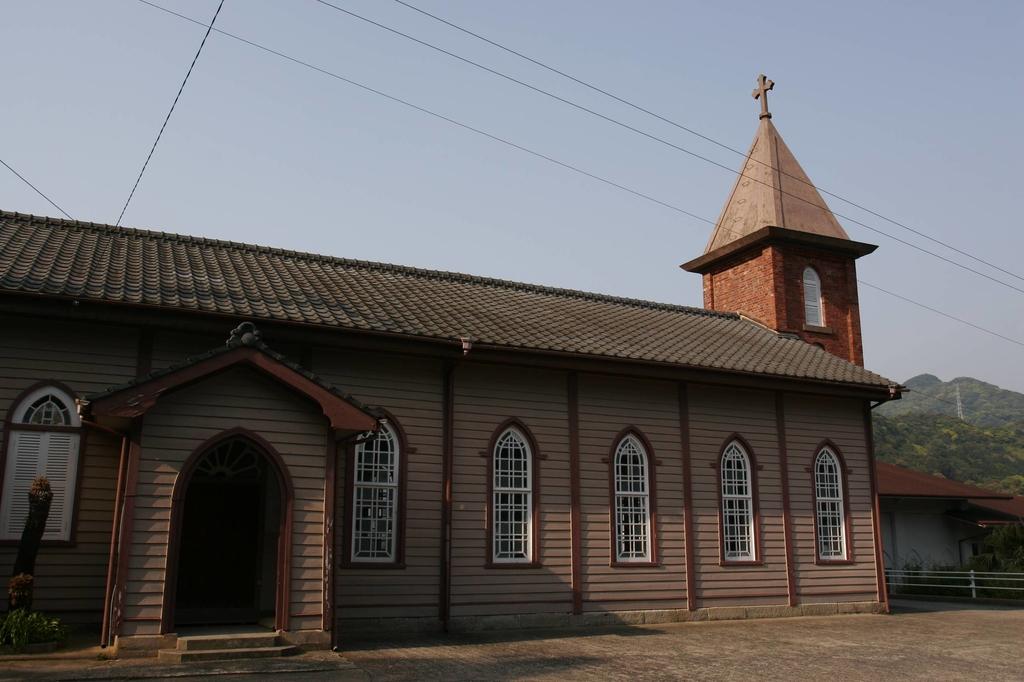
(662, 141)
(36, 189)
(944, 314)
(702, 136)
(935, 398)
(527, 150)
(169, 112)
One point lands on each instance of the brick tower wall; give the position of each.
(766, 284)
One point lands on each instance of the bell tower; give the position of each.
(778, 255)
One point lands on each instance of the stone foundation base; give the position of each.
(140, 646)
(369, 628)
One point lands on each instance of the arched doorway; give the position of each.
(231, 509)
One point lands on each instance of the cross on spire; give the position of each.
(761, 93)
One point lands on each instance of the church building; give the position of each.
(329, 448)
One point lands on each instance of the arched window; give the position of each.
(737, 505)
(632, 501)
(829, 507)
(43, 440)
(512, 499)
(814, 310)
(375, 497)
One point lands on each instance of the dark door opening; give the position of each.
(230, 538)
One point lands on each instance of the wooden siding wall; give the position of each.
(809, 421)
(180, 423)
(607, 406)
(90, 357)
(87, 358)
(485, 397)
(410, 390)
(715, 415)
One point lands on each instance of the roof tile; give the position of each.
(112, 264)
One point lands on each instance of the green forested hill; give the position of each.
(987, 448)
(984, 404)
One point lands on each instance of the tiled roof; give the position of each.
(89, 261)
(1014, 507)
(897, 481)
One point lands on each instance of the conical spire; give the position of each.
(772, 190)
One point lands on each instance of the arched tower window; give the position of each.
(830, 512)
(43, 440)
(632, 501)
(814, 309)
(737, 505)
(375, 497)
(512, 499)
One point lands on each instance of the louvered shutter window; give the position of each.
(813, 308)
(34, 452)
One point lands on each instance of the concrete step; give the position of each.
(179, 656)
(239, 640)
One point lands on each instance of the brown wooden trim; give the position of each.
(108, 592)
(847, 523)
(284, 547)
(758, 559)
(139, 398)
(345, 560)
(652, 477)
(787, 520)
(869, 439)
(127, 524)
(575, 509)
(330, 466)
(535, 492)
(447, 466)
(688, 537)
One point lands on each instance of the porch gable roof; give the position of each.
(245, 348)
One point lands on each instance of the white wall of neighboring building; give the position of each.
(919, 532)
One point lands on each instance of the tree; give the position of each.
(20, 587)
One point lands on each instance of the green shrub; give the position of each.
(20, 627)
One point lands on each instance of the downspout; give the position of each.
(108, 594)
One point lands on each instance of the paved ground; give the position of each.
(925, 642)
(920, 642)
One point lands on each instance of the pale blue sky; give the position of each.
(910, 108)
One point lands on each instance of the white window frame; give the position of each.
(814, 303)
(63, 476)
(737, 501)
(377, 495)
(632, 504)
(829, 508)
(512, 493)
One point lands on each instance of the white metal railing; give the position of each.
(967, 582)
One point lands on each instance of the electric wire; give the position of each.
(665, 142)
(702, 136)
(36, 189)
(169, 112)
(540, 155)
(929, 395)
